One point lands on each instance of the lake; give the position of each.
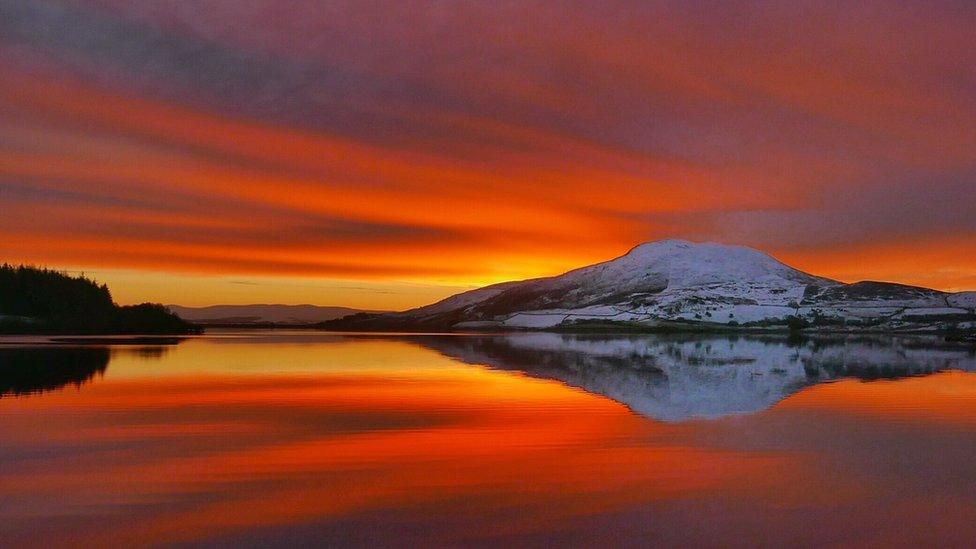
(293, 438)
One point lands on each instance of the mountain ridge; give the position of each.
(263, 313)
(678, 284)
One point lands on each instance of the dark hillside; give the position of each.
(34, 300)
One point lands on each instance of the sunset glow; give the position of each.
(387, 154)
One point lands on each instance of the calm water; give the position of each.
(287, 438)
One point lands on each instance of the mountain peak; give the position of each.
(682, 263)
(678, 245)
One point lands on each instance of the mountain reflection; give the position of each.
(675, 378)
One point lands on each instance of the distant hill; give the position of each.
(34, 300)
(261, 314)
(677, 285)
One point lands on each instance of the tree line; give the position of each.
(39, 300)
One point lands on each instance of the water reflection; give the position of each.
(675, 378)
(55, 363)
(271, 439)
(25, 370)
(663, 377)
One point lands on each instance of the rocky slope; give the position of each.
(675, 284)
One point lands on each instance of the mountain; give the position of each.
(260, 314)
(676, 284)
(676, 377)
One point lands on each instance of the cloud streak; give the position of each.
(463, 143)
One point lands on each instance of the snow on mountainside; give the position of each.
(675, 283)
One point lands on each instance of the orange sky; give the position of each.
(385, 154)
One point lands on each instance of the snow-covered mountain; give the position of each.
(675, 377)
(677, 284)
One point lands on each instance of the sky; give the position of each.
(384, 154)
